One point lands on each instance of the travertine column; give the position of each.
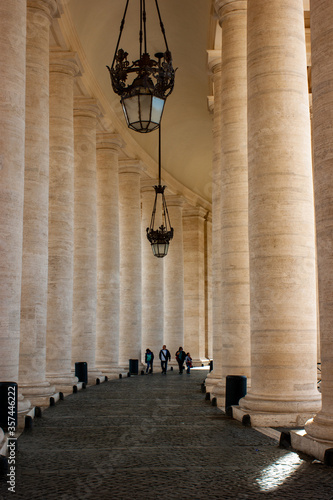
(86, 111)
(36, 200)
(321, 428)
(208, 288)
(216, 375)
(235, 294)
(281, 218)
(130, 261)
(194, 282)
(108, 255)
(12, 106)
(152, 277)
(174, 279)
(63, 68)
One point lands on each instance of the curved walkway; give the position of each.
(156, 437)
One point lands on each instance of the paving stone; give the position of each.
(156, 437)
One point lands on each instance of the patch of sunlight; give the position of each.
(275, 474)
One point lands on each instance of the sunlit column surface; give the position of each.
(234, 260)
(130, 261)
(152, 276)
(108, 255)
(194, 282)
(64, 66)
(321, 428)
(281, 217)
(86, 111)
(216, 375)
(208, 288)
(36, 200)
(12, 105)
(174, 279)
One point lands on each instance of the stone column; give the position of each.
(63, 69)
(12, 116)
(281, 219)
(194, 282)
(208, 288)
(174, 279)
(320, 429)
(235, 298)
(86, 111)
(130, 261)
(108, 255)
(152, 277)
(36, 200)
(216, 375)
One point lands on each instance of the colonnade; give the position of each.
(265, 290)
(78, 278)
(79, 281)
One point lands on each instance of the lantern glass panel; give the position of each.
(157, 110)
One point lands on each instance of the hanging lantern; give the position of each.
(160, 237)
(143, 98)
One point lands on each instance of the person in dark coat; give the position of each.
(180, 357)
(164, 357)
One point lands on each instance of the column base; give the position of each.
(112, 371)
(199, 361)
(63, 382)
(23, 405)
(270, 419)
(38, 394)
(211, 381)
(93, 375)
(301, 441)
(218, 392)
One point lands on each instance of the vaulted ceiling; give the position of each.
(187, 123)
(91, 27)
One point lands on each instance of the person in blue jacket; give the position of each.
(149, 358)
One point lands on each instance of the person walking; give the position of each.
(149, 358)
(188, 362)
(164, 357)
(180, 357)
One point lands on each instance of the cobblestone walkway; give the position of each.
(155, 437)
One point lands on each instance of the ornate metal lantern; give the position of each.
(143, 98)
(160, 237)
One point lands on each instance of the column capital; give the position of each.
(49, 7)
(87, 106)
(131, 167)
(106, 140)
(225, 8)
(175, 200)
(214, 61)
(147, 185)
(189, 211)
(65, 61)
